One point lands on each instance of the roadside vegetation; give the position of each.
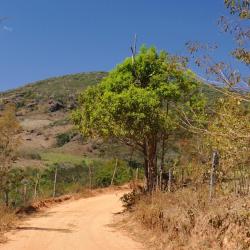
(57, 174)
(62, 176)
(187, 219)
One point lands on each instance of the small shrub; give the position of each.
(20, 104)
(64, 138)
(7, 221)
(35, 156)
(129, 199)
(31, 155)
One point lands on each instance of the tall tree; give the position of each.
(9, 140)
(141, 100)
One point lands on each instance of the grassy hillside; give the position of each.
(63, 86)
(63, 89)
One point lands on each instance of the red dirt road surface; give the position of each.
(75, 225)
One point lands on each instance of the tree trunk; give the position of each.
(145, 164)
(162, 162)
(151, 150)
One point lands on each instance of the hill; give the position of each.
(48, 136)
(43, 109)
(59, 89)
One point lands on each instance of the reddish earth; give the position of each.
(82, 224)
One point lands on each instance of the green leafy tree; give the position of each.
(140, 102)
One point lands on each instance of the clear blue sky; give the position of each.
(45, 38)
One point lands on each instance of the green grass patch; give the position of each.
(53, 158)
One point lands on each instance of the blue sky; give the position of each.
(45, 38)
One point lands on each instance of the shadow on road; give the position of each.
(46, 229)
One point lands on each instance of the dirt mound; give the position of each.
(39, 205)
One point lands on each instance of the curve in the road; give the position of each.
(75, 225)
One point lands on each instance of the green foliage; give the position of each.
(67, 175)
(73, 176)
(52, 158)
(104, 174)
(139, 102)
(131, 102)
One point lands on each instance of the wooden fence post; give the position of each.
(25, 193)
(169, 179)
(55, 179)
(90, 176)
(36, 185)
(136, 174)
(215, 163)
(113, 177)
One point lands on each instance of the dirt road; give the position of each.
(76, 225)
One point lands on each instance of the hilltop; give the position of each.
(42, 94)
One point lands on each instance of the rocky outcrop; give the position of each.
(55, 106)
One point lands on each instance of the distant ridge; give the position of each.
(62, 88)
(77, 79)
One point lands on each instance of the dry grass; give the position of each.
(7, 222)
(186, 220)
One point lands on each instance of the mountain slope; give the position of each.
(44, 108)
(63, 89)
